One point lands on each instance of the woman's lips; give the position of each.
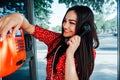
(66, 31)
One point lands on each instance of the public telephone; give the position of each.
(12, 53)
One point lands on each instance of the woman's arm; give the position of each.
(14, 21)
(27, 26)
(70, 69)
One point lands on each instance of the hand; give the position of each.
(73, 44)
(8, 22)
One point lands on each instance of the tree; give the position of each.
(105, 20)
(57, 28)
(10, 6)
(95, 4)
(42, 10)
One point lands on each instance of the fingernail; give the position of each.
(13, 35)
(1, 38)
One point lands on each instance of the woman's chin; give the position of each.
(66, 35)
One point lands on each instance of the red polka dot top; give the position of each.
(50, 39)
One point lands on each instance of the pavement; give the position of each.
(105, 67)
(105, 63)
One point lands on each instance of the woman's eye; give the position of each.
(72, 23)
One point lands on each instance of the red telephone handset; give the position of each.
(12, 53)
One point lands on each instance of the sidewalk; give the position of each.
(105, 65)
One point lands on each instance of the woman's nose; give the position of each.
(66, 25)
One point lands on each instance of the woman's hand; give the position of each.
(11, 21)
(73, 44)
(70, 69)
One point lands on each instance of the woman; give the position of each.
(70, 54)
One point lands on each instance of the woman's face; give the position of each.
(69, 24)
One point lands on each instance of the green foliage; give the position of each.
(111, 23)
(10, 6)
(42, 10)
(108, 24)
(45, 26)
(95, 4)
(57, 28)
(99, 20)
(41, 23)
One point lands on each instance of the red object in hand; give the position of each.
(12, 53)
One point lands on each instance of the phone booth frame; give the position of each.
(118, 39)
(31, 53)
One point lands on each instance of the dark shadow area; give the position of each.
(21, 74)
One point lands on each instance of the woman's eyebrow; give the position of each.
(72, 20)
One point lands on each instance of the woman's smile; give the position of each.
(69, 24)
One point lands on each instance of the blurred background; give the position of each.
(49, 14)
